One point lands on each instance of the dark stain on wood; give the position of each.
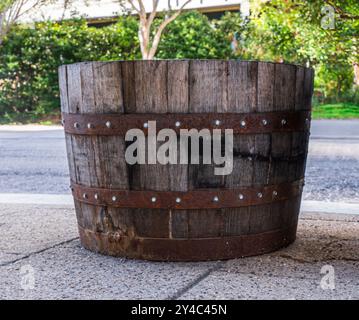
(194, 86)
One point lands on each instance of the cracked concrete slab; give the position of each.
(323, 240)
(71, 272)
(41, 238)
(274, 265)
(293, 272)
(6, 258)
(227, 285)
(30, 228)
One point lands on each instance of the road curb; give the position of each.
(67, 200)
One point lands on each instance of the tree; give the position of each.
(13, 10)
(148, 43)
(320, 33)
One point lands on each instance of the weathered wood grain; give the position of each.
(207, 93)
(151, 94)
(242, 98)
(194, 86)
(260, 217)
(178, 102)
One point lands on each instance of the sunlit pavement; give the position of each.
(41, 258)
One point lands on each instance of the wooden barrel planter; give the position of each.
(184, 212)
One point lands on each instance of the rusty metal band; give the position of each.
(195, 199)
(195, 249)
(243, 123)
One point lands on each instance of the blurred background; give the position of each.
(318, 33)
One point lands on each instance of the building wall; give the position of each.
(102, 10)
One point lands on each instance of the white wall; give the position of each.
(109, 8)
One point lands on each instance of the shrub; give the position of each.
(194, 36)
(30, 57)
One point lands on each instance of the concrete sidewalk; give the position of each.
(43, 240)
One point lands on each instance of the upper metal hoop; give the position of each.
(243, 123)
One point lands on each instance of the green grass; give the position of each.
(29, 118)
(343, 110)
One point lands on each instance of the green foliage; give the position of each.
(292, 31)
(278, 30)
(194, 36)
(30, 57)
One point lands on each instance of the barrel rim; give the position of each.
(187, 60)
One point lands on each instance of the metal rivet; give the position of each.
(84, 196)
(153, 199)
(241, 196)
(96, 196)
(217, 122)
(114, 198)
(178, 200)
(145, 125)
(177, 124)
(265, 122)
(284, 122)
(275, 193)
(243, 123)
(90, 125)
(108, 124)
(76, 125)
(215, 199)
(260, 195)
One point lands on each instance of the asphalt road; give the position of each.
(34, 161)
